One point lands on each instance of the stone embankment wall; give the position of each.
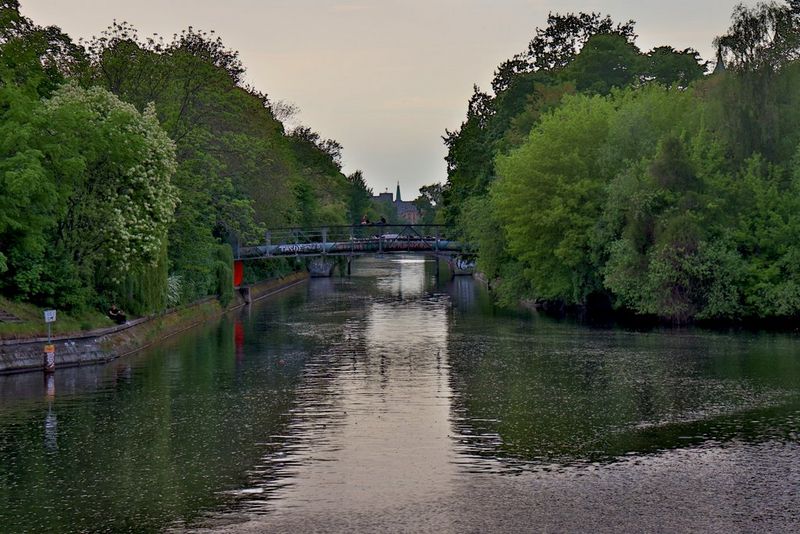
(99, 346)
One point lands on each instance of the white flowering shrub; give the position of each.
(113, 165)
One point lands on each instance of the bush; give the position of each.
(223, 269)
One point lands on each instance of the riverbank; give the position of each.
(23, 320)
(105, 344)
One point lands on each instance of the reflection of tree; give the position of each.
(144, 452)
(565, 394)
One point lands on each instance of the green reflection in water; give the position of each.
(142, 442)
(538, 392)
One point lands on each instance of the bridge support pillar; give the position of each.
(321, 267)
(349, 265)
(462, 266)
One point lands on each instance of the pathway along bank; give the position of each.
(100, 346)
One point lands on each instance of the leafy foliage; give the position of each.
(584, 51)
(559, 171)
(129, 167)
(631, 178)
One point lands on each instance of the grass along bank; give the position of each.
(31, 321)
(98, 345)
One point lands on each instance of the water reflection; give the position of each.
(465, 293)
(560, 395)
(139, 443)
(396, 400)
(412, 419)
(50, 420)
(370, 424)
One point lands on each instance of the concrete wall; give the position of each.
(21, 356)
(99, 346)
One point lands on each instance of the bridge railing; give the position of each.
(353, 239)
(329, 234)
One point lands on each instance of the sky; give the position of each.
(385, 78)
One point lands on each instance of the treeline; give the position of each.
(128, 166)
(596, 174)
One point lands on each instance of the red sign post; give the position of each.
(238, 273)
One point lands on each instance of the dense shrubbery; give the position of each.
(128, 164)
(631, 178)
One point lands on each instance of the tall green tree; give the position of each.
(668, 66)
(549, 195)
(605, 61)
(239, 172)
(762, 41)
(555, 46)
(360, 197)
(429, 202)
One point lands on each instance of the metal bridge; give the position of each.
(428, 239)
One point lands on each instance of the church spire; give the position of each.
(720, 67)
(397, 196)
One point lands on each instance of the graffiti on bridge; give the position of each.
(356, 246)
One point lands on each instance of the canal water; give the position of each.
(393, 401)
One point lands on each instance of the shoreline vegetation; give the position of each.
(657, 185)
(592, 176)
(30, 325)
(131, 166)
(28, 321)
(82, 347)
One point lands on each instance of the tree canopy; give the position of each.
(596, 172)
(128, 165)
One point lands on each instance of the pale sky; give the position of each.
(382, 77)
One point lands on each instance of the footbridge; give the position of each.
(351, 241)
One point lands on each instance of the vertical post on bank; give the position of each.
(49, 363)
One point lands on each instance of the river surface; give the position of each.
(393, 401)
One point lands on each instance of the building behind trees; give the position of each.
(404, 211)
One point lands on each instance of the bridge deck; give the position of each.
(354, 240)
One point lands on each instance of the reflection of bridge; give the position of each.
(350, 241)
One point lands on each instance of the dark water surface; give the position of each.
(392, 402)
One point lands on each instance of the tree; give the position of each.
(27, 194)
(70, 226)
(762, 42)
(549, 195)
(360, 196)
(429, 202)
(762, 38)
(35, 57)
(677, 198)
(555, 46)
(668, 66)
(324, 152)
(522, 87)
(470, 166)
(239, 173)
(114, 166)
(606, 61)
(98, 201)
